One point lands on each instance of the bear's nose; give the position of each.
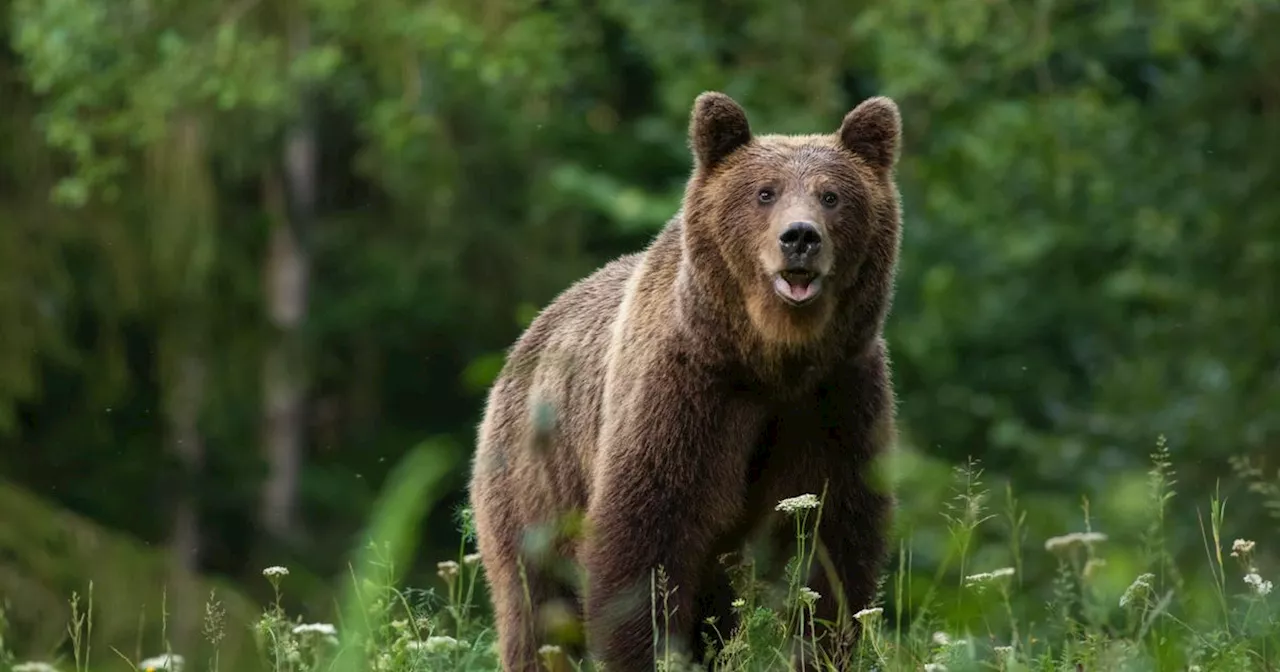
(799, 241)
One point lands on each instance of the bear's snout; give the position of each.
(800, 243)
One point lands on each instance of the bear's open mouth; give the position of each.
(797, 287)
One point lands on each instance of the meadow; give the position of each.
(1113, 602)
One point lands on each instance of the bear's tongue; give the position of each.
(796, 288)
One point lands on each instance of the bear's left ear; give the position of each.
(871, 130)
(717, 126)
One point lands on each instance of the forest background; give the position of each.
(253, 252)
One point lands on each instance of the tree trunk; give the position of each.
(284, 377)
(181, 234)
(185, 404)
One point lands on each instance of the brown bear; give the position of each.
(676, 395)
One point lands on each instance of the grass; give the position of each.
(1000, 596)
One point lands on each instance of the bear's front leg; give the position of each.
(850, 556)
(852, 536)
(670, 478)
(835, 442)
(858, 417)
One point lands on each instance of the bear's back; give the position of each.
(543, 417)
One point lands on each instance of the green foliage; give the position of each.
(1089, 261)
(50, 554)
(1103, 611)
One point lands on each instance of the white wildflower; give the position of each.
(941, 638)
(1069, 540)
(548, 650)
(798, 503)
(738, 603)
(1241, 547)
(809, 596)
(440, 644)
(447, 570)
(34, 666)
(1054, 543)
(171, 662)
(471, 559)
(1259, 586)
(1140, 585)
(315, 629)
(275, 571)
(985, 577)
(1003, 651)
(868, 613)
(935, 667)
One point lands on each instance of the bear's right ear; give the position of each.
(872, 131)
(717, 126)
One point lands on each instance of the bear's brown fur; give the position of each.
(676, 395)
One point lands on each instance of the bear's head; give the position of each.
(806, 226)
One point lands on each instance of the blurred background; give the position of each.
(252, 252)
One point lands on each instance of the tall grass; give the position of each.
(1002, 596)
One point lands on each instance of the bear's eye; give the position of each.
(829, 198)
(766, 195)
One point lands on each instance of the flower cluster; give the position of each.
(315, 629)
(171, 662)
(1241, 548)
(1262, 588)
(868, 613)
(34, 666)
(435, 645)
(1140, 586)
(1074, 539)
(798, 503)
(983, 578)
(447, 569)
